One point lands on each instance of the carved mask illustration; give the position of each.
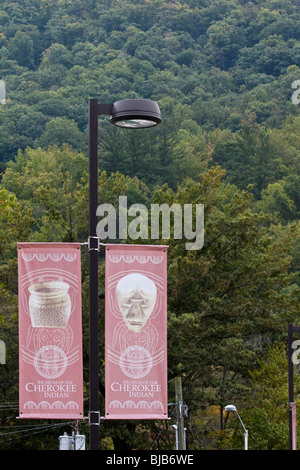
(136, 296)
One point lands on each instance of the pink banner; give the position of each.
(50, 331)
(136, 332)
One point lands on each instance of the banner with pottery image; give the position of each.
(136, 332)
(50, 331)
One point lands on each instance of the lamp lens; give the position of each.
(135, 123)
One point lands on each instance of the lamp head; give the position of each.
(230, 408)
(135, 114)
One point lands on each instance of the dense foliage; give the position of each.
(223, 73)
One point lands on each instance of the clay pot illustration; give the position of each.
(49, 304)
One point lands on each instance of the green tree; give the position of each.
(225, 300)
(21, 49)
(190, 156)
(130, 153)
(15, 225)
(250, 157)
(265, 410)
(281, 199)
(61, 131)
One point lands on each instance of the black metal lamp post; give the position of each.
(132, 114)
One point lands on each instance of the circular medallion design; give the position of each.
(50, 362)
(135, 362)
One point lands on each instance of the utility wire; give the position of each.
(36, 430)
(41, 427)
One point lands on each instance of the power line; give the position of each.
(35, 430)
(40, 427)
(9, 403)
(8, 407)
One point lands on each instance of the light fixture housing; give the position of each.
(230, 408)
(135, 114)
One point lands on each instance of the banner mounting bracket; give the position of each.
(94, 244)
(95, 420)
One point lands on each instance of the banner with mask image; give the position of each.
(50, 331)
(136, 332)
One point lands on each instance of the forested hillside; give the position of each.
(212, 66)
(224, 73)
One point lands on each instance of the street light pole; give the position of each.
(180, 432)
(94, 417)
(232, 408)
(132, 114)
(245, 432)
